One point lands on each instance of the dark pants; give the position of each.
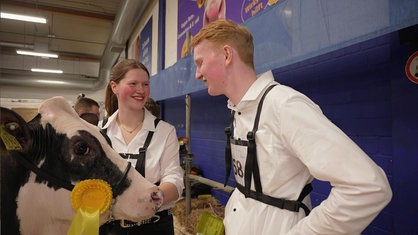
(162, 227)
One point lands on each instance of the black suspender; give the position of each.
(228, 155)
(140, 164)
(250, 137)
(252, 168)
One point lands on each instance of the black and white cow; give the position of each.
(58, 149)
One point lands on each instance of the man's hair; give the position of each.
(84, 103)
(223, 31)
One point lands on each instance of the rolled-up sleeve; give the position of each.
(171, 170)
(360, 189)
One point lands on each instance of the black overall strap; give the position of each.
(228, 132)
(104, 123)
(252, 169)
(140, 165)
(280, 202)
(305, 192)
(251, 165)
(104, 132)
(228, 154)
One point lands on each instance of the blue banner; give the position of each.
(145, 45)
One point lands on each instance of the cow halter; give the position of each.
(59, 182)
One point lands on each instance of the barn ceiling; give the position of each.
(88, 36)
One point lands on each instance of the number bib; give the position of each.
(239, 150)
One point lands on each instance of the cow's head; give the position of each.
(57, 150)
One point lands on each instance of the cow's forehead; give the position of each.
(62, 117)
(59, 114)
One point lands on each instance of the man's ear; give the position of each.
(228, 53)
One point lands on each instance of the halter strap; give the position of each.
(57, 181)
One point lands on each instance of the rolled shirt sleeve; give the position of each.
(360, 189)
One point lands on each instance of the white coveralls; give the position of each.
(296, 142)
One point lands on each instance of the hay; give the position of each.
(198, 206)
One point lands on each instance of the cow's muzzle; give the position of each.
(158, 199)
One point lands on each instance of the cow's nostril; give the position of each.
(158, 198)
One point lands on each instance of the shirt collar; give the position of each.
(255, 90)
(148, 121)
(109, 120)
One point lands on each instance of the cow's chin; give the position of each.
(137, 206)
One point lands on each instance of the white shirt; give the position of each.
(296, 142)
(162, 156)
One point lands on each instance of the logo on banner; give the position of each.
(411, 68)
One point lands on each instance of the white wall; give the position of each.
(171, 33)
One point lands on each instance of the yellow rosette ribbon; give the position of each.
(89, 198)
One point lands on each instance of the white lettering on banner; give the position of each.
(188, 24)
(145, 43)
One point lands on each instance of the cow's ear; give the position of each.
(14, 132)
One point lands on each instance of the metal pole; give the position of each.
(189, 156)
(212, 183)
(188, 160)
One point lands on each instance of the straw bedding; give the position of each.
(198, 206)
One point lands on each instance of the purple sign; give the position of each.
(195, 14)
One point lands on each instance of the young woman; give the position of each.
(129, 126)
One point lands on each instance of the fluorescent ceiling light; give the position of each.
(50, 81)
(33, 53)
(27, 18)
(46, 70)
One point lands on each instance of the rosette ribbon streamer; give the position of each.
(89, 198)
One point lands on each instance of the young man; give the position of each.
(279, 141)
(88, 109)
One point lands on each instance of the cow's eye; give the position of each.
(81, 148)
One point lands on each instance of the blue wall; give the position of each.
(363, 89)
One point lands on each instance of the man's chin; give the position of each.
(212, 93)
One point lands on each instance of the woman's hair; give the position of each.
(223, 31)
(153, 107)
(118, 73)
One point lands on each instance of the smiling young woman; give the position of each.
(149, 143)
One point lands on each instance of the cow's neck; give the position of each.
(34, 198)
(10, 184)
